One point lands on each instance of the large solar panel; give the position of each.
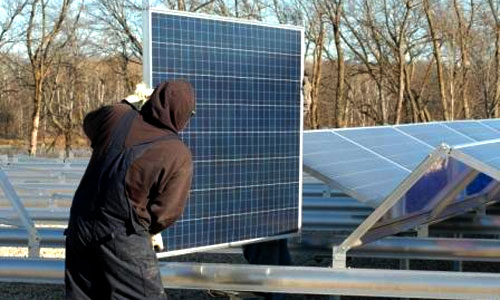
(371, 162)
(246, 135)
(408, 173)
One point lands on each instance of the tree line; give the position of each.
(368, 62)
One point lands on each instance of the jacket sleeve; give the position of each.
(172, 190)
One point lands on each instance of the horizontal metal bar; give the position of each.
(343, 203)
(55, 215)
(326, 281)
(413, 248)
(32, 271)
(396, 247)
(300, 280)
(19, 237)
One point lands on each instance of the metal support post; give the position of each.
(339, 258)
(423, 231)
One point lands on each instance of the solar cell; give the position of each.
(246, 135)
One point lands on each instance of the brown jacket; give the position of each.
(158, 182)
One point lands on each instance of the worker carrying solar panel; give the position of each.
(135, 186)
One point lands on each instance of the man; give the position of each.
(135, 186)
(306, 90)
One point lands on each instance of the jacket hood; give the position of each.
(170, 106)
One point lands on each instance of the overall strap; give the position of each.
(121, 131)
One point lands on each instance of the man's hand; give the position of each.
(141, 95)
(157, 242)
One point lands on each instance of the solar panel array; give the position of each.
(371, 162)
(246, 135)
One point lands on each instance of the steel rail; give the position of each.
(297, 280)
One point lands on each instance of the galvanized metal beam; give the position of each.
(297, 280)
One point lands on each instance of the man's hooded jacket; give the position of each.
(158, 182)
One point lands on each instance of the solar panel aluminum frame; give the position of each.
(459, 155)
(397, 128)
(148, 80)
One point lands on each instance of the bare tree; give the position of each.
(123, 19)
(334, 12)
(436, 45)
(41, 44)
(315, 34)
(13, 9)
(364, 40)
(494, 7)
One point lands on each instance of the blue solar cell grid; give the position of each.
(245, 137)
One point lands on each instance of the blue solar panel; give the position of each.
(369, 163)
(246, 134)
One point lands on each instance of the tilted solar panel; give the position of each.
(246, 135)
(371, 162)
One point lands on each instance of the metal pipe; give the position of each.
(32, 271)
(299, 280)
(414, 248)
(19, 237)
(337, 203)
(47, 214)
(314, 280)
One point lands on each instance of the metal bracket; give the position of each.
(27, 222)
(339, 258)
(423, 231)
(354, 239)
